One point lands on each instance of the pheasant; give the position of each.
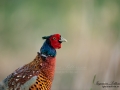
(38, 74)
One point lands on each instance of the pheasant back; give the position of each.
(37, 75)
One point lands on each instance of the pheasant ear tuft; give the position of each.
(45, 37)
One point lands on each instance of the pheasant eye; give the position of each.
(54, 38)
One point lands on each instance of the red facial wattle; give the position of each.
(56, 46)
(54, 40)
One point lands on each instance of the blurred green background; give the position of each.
(92, 28)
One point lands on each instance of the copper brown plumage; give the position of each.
(45, 77)
(38, 74)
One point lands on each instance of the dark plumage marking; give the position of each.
(35, 85)
(36, 82)
(40, 84)
(31, 86)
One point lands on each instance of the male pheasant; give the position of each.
(38, 74)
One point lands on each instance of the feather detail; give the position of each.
(26, 76)
(2, 86)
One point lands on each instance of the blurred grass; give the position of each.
(92, 28)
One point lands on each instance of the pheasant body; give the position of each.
(36, 75)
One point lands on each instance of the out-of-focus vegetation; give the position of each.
(92, 28)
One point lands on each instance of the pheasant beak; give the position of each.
(62, 40)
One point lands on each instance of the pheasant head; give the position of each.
(52, 42)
